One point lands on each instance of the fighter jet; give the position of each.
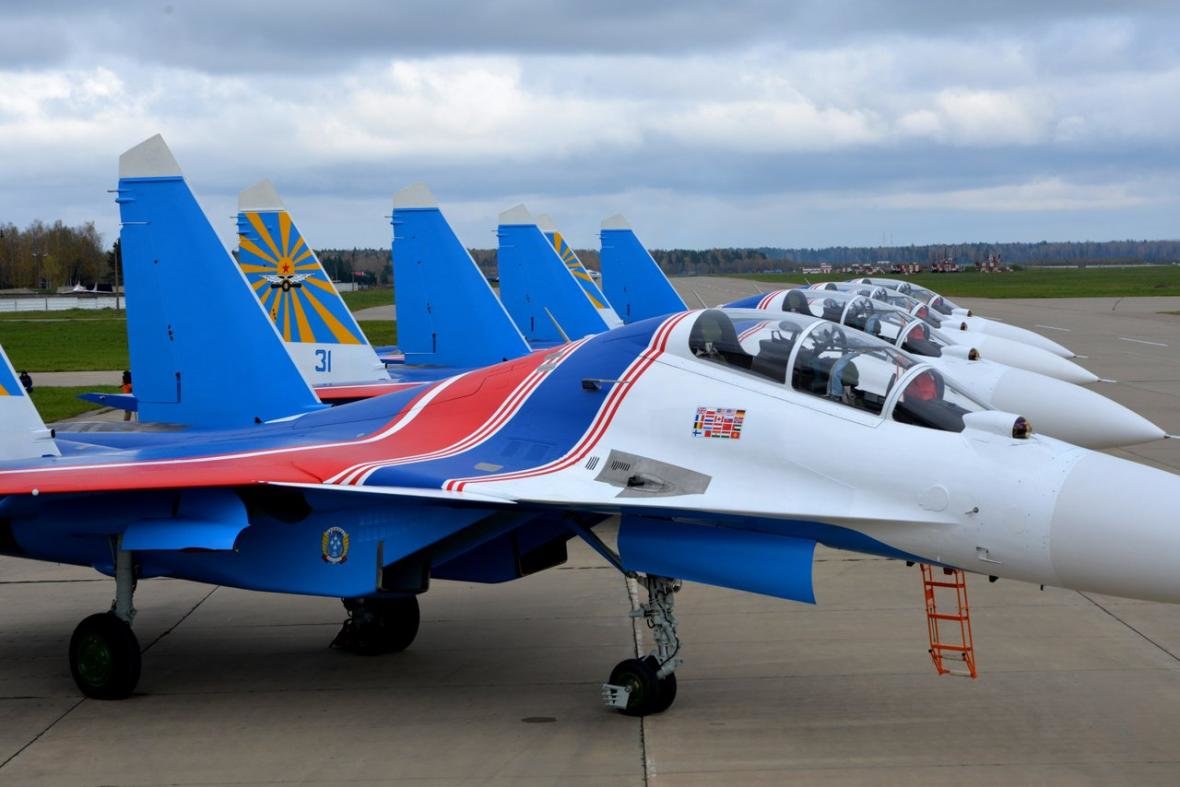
(968, 321)
(994, 348)
(730, 443)
(1058, 408)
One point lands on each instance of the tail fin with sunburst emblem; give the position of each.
(633, 281)
(582, 276)
(284, 273)
(447, 313)
(538, 289)
(203, 351)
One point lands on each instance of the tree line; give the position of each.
(47, 256)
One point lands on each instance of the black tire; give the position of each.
(638, 676)
(379, 625)
(667, 693)
(104, 657)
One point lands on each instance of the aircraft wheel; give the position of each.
(104, 657)
(648, 694)
(379, 625)
(667, 687)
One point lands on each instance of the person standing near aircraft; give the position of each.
(26, 382)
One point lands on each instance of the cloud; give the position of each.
(702, 119)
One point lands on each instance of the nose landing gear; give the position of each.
(639, 687)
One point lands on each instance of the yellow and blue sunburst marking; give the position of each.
(578, 270)
(292, 285)
(9, 385)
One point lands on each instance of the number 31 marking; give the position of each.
(325, 360)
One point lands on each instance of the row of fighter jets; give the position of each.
(871, 416)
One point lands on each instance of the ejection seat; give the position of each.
(714, 338)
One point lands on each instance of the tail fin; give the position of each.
(22, 432)
(447, 313)
(203, 351)
(633, 281)
(319, 331)
(537, 288)
(582, 276)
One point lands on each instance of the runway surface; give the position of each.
(501, 686)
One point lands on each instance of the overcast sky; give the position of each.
(706, 123)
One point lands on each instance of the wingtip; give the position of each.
(415, 195)
(517, 214)
(261, 196)
(616, 222)
(149, 159)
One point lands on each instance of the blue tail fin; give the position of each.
(203, 351)
(582, 276)
(447, 313)
(633, 282)
(319, 331)
(537, 288)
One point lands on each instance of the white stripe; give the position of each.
(396, 427)
(1143, 341)
(1052, 328)
(502, 415)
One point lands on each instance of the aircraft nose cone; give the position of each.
(1025, 336)
(1034, 359)
(1116, 530)
(1071, 413)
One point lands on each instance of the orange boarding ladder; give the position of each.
(941, 624)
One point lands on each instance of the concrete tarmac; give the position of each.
(501, 686)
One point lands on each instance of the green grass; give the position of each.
(364, 299)
(51, 343)
(71, 314)
(1042, 283)
(379, 332)
(54, 404)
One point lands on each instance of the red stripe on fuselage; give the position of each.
(452, 410)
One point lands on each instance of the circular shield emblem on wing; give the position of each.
(334, 545)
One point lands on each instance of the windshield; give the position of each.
(845, 367)
(876, 320)
(928, 400)
(757, 346)
(920, 339)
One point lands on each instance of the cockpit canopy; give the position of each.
(880, 293)
(827, 361)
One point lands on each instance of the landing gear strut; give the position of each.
(638, 687)
(104, 652)
(378, 625)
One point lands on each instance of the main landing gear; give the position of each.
(378, 625)
(104, 652)
(639, 687)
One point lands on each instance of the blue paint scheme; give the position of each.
(201, 519)
(447, 313)
(9, 384)
(118, 401)
(749, 302)
(534, 279)
(632, 281)
(741, 559)
(548, 424)
(186, 314)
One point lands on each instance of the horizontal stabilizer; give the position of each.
(726, 557)
(203, 351)
(633, 282)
